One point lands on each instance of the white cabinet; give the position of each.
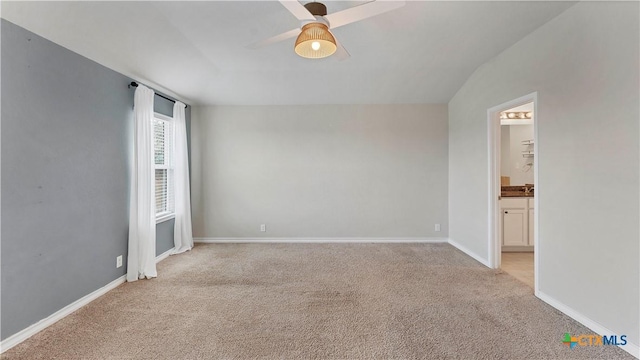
(514, 227)
(516, 224)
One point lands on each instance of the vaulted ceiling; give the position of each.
(196, 51)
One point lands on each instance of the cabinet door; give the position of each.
(514, 227)
(531, 227)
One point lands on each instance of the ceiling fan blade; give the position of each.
(272, 40)
(362, 12)
(298, 10)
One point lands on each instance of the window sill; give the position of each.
(164, 217)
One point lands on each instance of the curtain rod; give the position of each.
(135, 84)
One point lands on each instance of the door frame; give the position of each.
(493, 122)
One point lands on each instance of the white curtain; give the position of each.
(141, 261)
(182, 236)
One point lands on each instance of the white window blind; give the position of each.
(164, 165)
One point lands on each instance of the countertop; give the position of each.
(517, 191)
(522, 194)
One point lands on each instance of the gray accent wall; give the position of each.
(584, 66)
(164, 236)
(320, 171)
(66, 142)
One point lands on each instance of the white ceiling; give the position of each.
(196, 51)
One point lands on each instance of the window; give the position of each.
(164, 165)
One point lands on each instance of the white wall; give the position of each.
(321, 171)
(505, 151)
(513, 164)
(584, 66)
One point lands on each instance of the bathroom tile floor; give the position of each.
(519, 265)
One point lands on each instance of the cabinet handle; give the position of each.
(506, 212)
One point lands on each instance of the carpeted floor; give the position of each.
(316, 301)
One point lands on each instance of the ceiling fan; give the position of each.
(314, 39)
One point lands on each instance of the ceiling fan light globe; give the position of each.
(315, 42)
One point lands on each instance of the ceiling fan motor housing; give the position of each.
(316, 8)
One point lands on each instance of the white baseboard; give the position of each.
(28, 332)
(465, 250)
(631, 348)
(216, 240)
(164, 255)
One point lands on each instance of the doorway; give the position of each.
(513, 193)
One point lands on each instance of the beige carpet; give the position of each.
(316, 301)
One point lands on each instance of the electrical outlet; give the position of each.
(119, 261)
(263, 227)
(437, 227)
